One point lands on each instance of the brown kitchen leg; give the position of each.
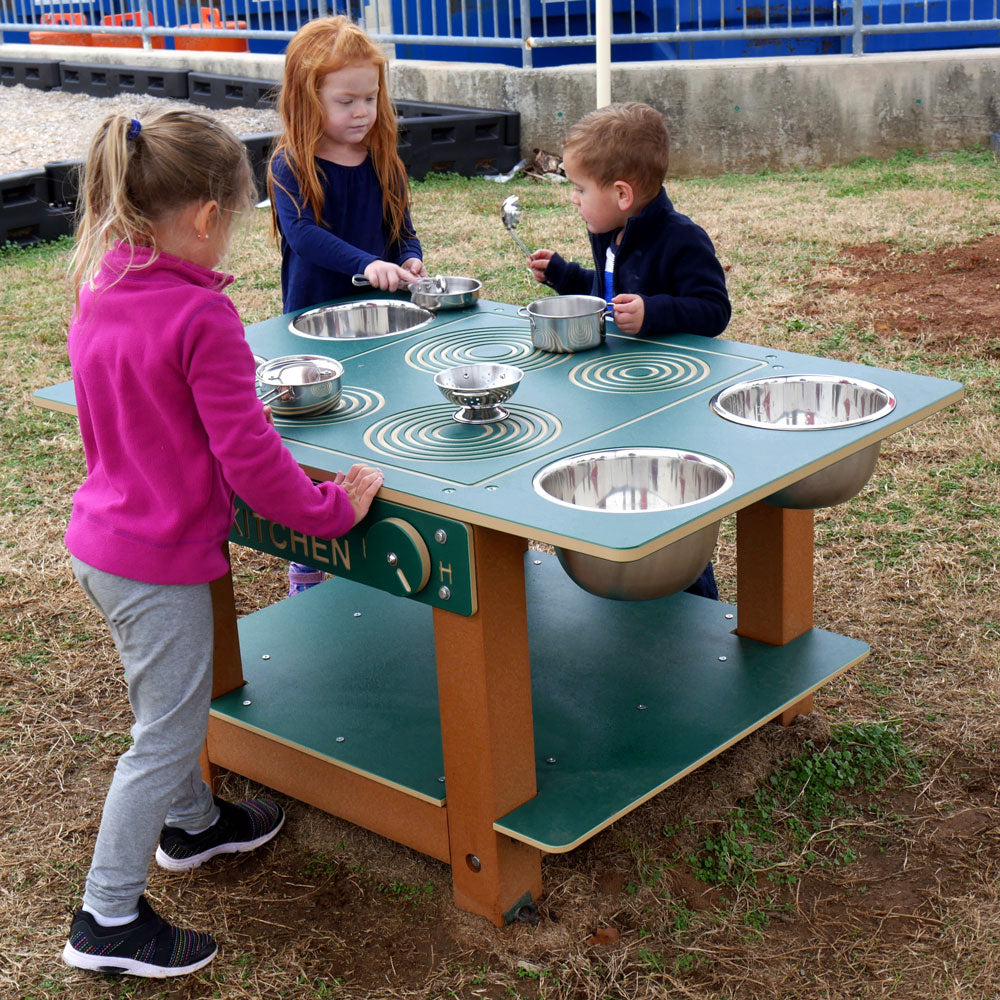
(484, 690)
(774, 579)
(227, 666)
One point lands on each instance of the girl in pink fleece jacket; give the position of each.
(171, 428)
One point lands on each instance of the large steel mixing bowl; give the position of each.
(630, 481)
(810, 403)
(355, 320)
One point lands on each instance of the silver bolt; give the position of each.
(248, 702)
(722, 659)
(340, 739)
(474, 863)
(642, 708)
(729, 617)
(357, 614)
(441, 779)
(440, 536)
(444, 593)
(492, 489)
(550, 760)
(266, 656)
(448, 489)
(391, 558)
(538, 562)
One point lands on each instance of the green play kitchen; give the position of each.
(485, 702)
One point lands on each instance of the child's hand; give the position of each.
(361, 483)
(415, 266)
(269, 414)
(387, 276)
(630, 310)
(538, 262)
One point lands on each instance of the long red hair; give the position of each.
(322, 46)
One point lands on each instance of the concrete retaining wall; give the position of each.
(725, 115)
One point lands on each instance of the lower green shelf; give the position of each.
(628, 697)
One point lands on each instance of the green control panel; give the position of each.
(397, 549)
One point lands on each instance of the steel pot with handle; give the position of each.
(563, 324)
(300, 385)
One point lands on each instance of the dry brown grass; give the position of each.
(331, 910)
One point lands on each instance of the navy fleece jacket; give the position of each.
(668, 260)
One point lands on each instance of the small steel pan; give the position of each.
(440, 292)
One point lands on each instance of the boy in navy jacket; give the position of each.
(655, 266)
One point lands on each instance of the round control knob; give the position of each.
(398, 556)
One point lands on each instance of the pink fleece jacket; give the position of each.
(172, 427)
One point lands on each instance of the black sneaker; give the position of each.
(147, 946)
(240, 827)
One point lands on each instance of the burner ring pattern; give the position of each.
(432, 434)
(354, 402)
(639, 372)
(505, 345)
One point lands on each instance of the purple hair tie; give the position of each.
(135, 127)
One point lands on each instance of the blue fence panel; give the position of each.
(546, 32)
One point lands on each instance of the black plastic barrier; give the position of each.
(38, 205)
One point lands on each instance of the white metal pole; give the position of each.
(603, 52)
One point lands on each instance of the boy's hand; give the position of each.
(361, 483)
(415, 266)
(538, 262)
(630, 310)
(387, 276)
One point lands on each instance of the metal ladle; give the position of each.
(510, 212)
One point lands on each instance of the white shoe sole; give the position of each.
(185, 864)
(128, 966)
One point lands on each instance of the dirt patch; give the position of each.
(946, 300)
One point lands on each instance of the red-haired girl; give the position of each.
(338, 190)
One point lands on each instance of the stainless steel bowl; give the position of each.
(356, 320)
(564, 324)
(479, 390)
(635, 481)
(809, 403)
(300, 385)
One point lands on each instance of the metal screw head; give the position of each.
(440, 536)
(441, 779)
(248, 702)
(266, 656)
(492, 489)
(473, 862)
(550, 760)
(391, 558)
(340, 739)
(357, 614)
(537, 562)
(642, 708)
(722, 659)
(444, 593)
(729, 617)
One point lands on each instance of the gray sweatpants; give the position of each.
(164, 638)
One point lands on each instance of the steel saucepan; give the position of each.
(439, 292)
(300, 385)
(564, 324)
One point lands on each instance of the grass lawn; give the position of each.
(854, 854)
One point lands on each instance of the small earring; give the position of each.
(201, 236)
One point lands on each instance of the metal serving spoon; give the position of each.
(437, 283)
(510, 212)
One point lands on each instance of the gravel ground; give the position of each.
(37, 126)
